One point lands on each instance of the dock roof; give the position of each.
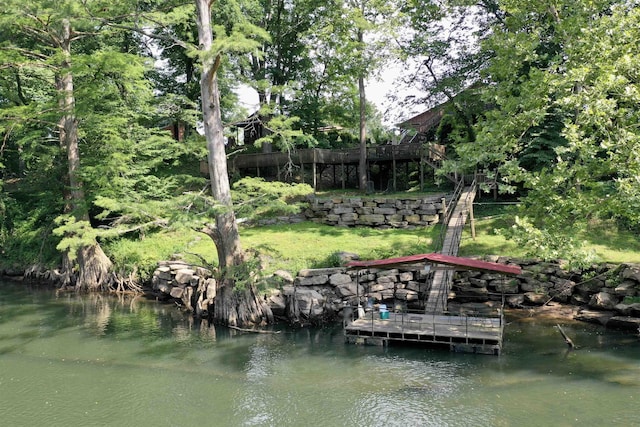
(435, 258)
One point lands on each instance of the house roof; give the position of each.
(424, 121)
(434, 258)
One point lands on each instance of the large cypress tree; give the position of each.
(83, 85)
(45, 34)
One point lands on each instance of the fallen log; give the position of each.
(254, 331)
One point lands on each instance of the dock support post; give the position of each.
(472, 222)
(314, 171)
(421, 170)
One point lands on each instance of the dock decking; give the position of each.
(461, 333)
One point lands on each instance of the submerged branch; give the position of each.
(255, 331)
(566, 338)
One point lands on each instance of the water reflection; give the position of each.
(94, 359)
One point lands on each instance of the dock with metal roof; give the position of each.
(466, 333)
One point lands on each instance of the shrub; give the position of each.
(257, 198)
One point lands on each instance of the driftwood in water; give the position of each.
(254, 331)
(566, 338)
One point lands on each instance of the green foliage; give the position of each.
(332, 260)
(561, 128)
(256, 198)
(296, 246)
(283, 135)
(631, 300)
(246, 274)
(142, 251)
(549, 245)
(74, 235)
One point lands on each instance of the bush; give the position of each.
(256, 198)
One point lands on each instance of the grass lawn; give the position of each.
(291, 247)
(306, 245)
(309, 245)
(606, 240)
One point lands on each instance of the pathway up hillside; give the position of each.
(443, 278)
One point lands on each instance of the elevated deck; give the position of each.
(460, 333)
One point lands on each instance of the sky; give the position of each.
(377, 91)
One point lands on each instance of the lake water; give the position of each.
(97, 360)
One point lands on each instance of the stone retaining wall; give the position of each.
(606, 294)
(181, 282)
(377, 211)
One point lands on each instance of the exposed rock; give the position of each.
(176, 292)
(278, 303)
(631, 272)
(312, 272)
(625, 322)
(603, 301)
(164, 287)
(406, 295)
(310, 303)
(284, 275)
(406, 276)
(321, 279)
(515, 301)
(505, 286)
(323, 292)
(346, 257)
(590, 286)
(379, 287)
(339, 279)
(349, 290)
(627, 288)
(478, 283)
(376, 212)
(594, 316)
(535, 298)
(184, 275)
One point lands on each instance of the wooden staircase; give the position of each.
(433, 155)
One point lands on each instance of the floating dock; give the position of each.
(461, 333)
(435, 325)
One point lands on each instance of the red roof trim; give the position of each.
(465, 263)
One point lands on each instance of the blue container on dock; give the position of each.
(384, 313)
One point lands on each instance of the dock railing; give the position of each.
(411, 321)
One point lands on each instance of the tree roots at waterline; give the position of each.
(240, 307)
(90, 272)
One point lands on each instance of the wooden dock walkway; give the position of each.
(460, 333)
(442, 279)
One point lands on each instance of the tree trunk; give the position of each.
(93, 265)
(362, 162)
(95, 269)
(225, 233)
(231, 306)
(240, 307)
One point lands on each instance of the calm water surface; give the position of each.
(96, 361)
